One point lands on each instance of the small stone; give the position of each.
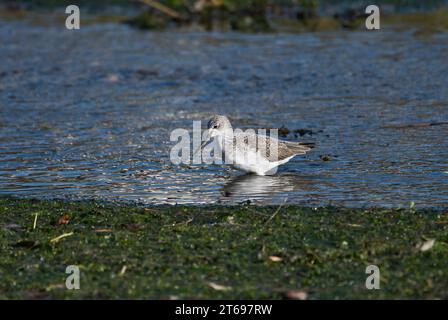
(283, 131)
(303, 132)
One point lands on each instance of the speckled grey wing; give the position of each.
(266, 146)
(285, 149)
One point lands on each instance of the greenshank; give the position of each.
(251, 152)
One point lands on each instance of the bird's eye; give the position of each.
(215, 126)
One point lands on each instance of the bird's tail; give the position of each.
(301, 147)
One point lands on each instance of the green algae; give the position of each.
(126, 251)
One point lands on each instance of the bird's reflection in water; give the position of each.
(250, 186)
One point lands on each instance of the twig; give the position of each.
(255, 211)
(35, 220)
(276, 211)
(61, 237)
(103, 230)
(163, 8)
(123, 271)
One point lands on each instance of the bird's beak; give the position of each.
(205, 139)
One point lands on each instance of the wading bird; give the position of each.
(251, 152)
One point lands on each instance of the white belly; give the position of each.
(254, 162)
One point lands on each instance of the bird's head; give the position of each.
(218, 125)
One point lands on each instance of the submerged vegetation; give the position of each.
(219, 252)
(258, 15)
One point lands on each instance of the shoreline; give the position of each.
(426, 22)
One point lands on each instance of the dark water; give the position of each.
(89, 113)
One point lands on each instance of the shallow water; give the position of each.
(88, 114)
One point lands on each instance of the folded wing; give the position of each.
(267, 146)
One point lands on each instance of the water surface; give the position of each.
(88, 113)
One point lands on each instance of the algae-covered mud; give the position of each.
(220, 252)
(89, 114)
